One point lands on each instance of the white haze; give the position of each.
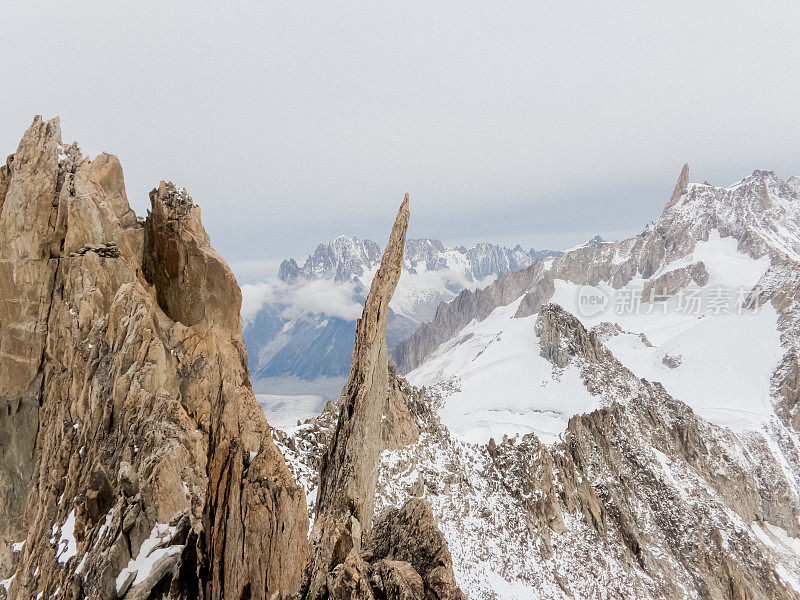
(519, 122)
(333, 298)
(417, 294)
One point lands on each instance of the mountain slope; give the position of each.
(619, 421)
(677, 300)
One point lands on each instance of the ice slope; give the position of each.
(505, 386)
(726, 355)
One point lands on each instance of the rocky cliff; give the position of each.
(403, 557)
(134, 459)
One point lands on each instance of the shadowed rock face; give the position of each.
(29, 186)
(127, 423)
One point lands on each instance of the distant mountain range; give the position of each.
(301, 323)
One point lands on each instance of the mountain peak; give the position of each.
(681, 187)
(595, 241)
(762, 175)
(289, 270)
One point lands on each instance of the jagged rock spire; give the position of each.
(349, 470)
(179, 254)
(126, 412)
(681, 187)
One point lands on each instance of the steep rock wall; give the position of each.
(134, 458)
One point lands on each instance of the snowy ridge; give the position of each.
(726, 381)
(644, 444)
(761, 207)
(683, 286)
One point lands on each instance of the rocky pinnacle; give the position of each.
(128, 426)
(681, 187)
(349, 470)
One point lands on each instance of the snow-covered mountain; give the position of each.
(620, 421)
(671, 302)
(301, 324)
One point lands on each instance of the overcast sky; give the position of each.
(293, 122)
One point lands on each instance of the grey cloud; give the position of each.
(291, 124)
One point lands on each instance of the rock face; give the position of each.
(348, 559)
(562, 337)
(662, 287)
(778, 287)
(29, 187)
(134, 459)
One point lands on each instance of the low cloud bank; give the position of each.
(416, 297)
(335, 299)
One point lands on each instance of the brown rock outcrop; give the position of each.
(405, 556)
(681, 187)
(662, 287)
(562, 337)
(5, 173)
(129, 434)
(398, 425)
(349, 471)
(409, 535)
(179, 254)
